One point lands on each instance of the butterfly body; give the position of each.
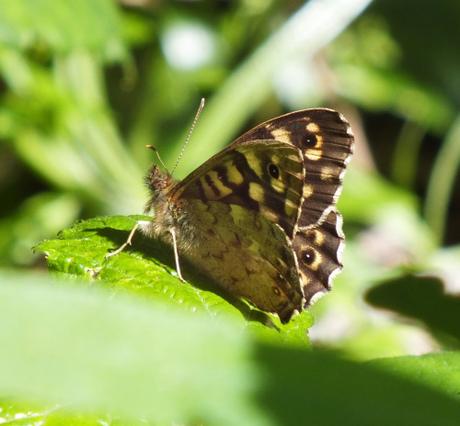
(259, 217)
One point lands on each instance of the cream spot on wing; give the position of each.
(269, 214)
(275, 159)
(294, 157)
(277, 185)
(319, 141)
(318, 237)
(289, 207)
(223, 190)
(305, 280)
(237, 213)
(307, 191)
(208, 192)
(256, 192)
(254, 162)
(313, 154)
(234, 175)
(313, 127)
(281, 134)
(327, 173)
(317, 261)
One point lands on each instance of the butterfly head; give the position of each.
(159, 183)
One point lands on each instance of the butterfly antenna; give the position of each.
(157, 154)
(187, 140)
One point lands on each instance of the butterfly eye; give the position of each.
(310, 141)
(273, 171)
(308, 256)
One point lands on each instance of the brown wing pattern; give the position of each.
(318, 249)
(326, 141)
(263, 176)
(247, 255)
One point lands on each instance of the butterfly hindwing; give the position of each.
(247, 255)
(318, 249)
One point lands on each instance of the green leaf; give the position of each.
(32, 414)
(439, 371)
(81, 251)
(85, 350)
(147, 268)
(321, 388)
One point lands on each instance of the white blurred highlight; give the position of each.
(188, 46)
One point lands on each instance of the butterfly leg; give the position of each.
(176, 253)
(125, 244)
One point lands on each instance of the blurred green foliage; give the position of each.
(152, 362)
(85, 85)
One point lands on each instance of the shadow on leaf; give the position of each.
(162, 253)
(422, 299)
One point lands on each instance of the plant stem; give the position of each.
(406, 154)
(442, 180)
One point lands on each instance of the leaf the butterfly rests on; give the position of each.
(260, 217)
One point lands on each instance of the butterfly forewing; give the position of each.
(263, 176)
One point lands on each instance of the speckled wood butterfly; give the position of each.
(260, 216)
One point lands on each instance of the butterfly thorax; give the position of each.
(167, 213)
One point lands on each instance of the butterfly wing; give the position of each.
(265, 176)
(243, 205)
(325, 139)
(326, 142)
(246, 255)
